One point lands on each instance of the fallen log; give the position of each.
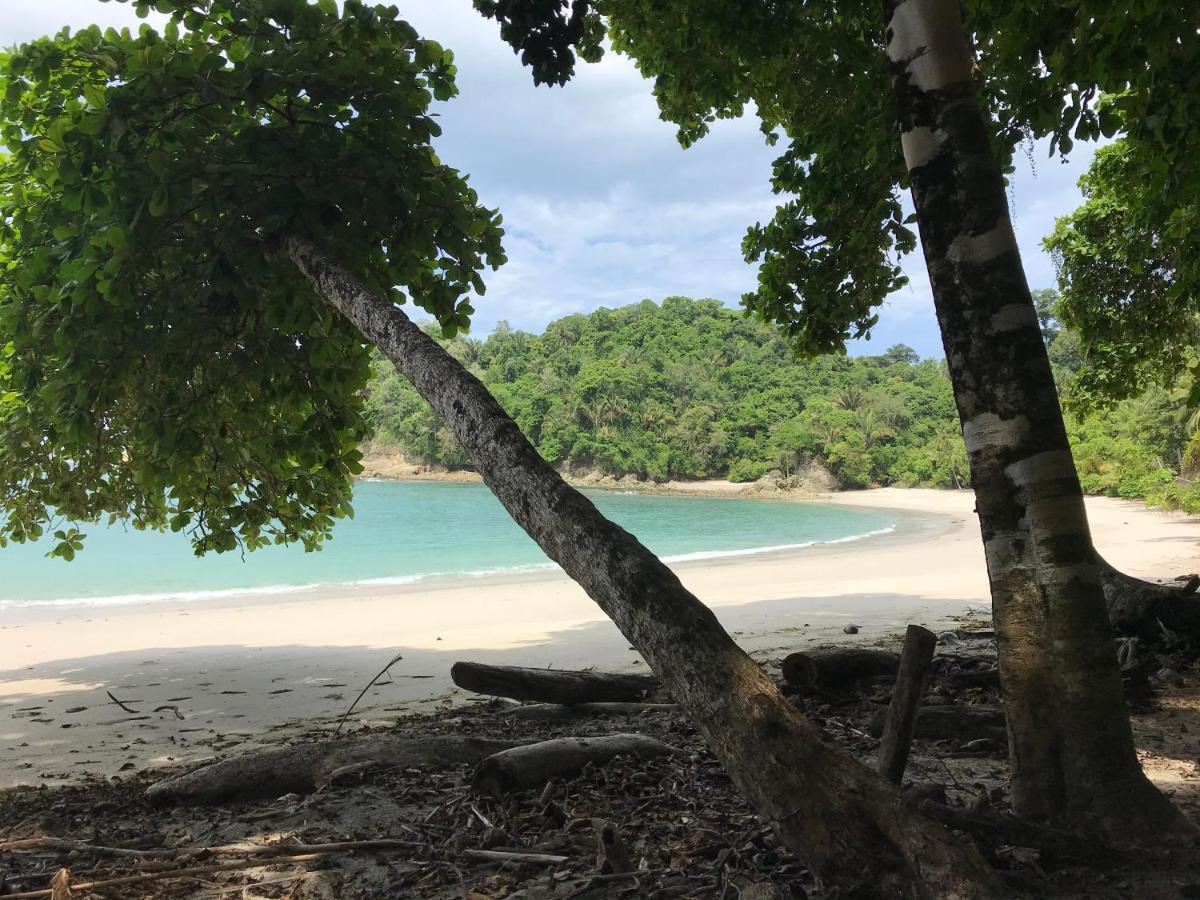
(532, 765)
(901, 716)
(946, 722)
(552, 685)
(839, 669)
(557, 712)
(302, 768)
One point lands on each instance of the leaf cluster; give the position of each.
(158, 361)
(815, 73)
(547, 34)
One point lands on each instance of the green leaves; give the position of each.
(816, 74)
(1128, 265)
(161, 364)
(691, 389)
(70, 542)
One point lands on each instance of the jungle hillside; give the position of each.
(691, 389)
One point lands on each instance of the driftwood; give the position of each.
(553, 685)
(919, 644)
(532, 765)
(961, 723)
(557, 712)
(302, 768)
(838, 669)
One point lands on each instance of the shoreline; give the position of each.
(17, 613)
(393, 467)
(243, 671)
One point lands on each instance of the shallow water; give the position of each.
(405, 531)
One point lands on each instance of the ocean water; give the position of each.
(406, 531)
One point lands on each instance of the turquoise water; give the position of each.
(404, 531)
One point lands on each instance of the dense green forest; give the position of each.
(693, 389)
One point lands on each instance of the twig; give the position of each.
(253, 850)
(130, 710)
(595, 880)
(512, 856)
(395, 659)
(951, 774)
(189, 872)
(52, 843)
(482, 818)
(234, 888)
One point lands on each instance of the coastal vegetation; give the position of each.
(204, 231)
(691, 389)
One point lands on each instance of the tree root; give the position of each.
(302, 768)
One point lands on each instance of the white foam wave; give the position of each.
(398, 580)
(162, 596)
(776, 548)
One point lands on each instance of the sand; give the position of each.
(208, 676)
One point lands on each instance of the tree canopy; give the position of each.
(1128, 268)
(1081, 70)
(158, 363)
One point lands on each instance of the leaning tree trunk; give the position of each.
(845, 821)
(1070, 746)
(1155, 613)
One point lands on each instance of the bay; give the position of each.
(407, 531)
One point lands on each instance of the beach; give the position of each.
(202, 677)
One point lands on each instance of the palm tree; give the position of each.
(869, 425)
(849, 398)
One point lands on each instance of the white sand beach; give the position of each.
(206, 676)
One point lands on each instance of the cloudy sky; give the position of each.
(601, 206)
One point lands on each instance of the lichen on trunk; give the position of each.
(1070, 745)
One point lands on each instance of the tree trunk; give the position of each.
(849, 824)
(1070, 746)
(1150, 611)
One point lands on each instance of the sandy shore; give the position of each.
(208, 676)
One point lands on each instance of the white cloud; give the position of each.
(601, 205)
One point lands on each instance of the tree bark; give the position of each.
(848, 824)
(552, 685)
(919, 644)
(1151, 611)
(532, 765)
(839, 669)
(1071, 747)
